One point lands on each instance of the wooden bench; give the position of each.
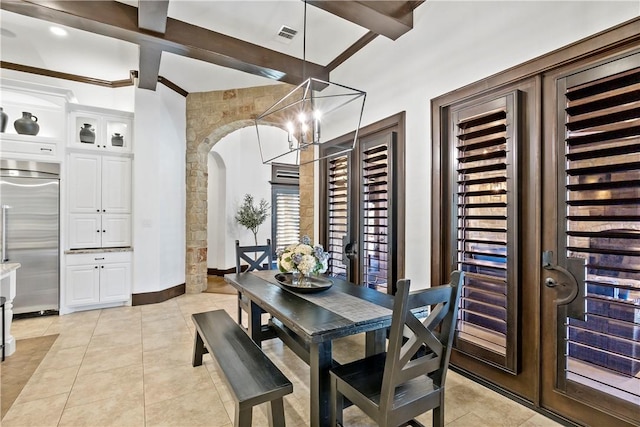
(250, 374)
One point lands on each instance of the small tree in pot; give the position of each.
(251, 216)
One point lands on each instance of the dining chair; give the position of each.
(257, 258)
(407, 380)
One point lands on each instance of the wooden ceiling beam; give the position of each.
(149, 63)
(120, 21)
(388, 18)
(152, 15)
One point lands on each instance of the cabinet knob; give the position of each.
(97, 231)
(102, 266)
(97, 210)
(95, 266)
(104, 210)
(104, 231)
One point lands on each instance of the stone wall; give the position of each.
(210, 117)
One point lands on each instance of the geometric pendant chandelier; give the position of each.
(303, 113)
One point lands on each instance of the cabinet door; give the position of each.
(84, 183)
(116, 185)
(85, 231)
(116, 231)
(115, 282)
(83, 284)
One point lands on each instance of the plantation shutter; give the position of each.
(285, 205)
(287, 217)
(375, 225)
(485, 238)
(601, 127)
(338, 211)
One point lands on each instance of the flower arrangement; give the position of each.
(303, 258)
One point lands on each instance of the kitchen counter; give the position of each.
(96, 250)
(8, 290)
(8, 267)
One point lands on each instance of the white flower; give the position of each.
(303, 257)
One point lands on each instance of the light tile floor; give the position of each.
(131, 366)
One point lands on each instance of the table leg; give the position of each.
(255, 323)
(320, 386)
(375, 342)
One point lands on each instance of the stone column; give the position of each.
(210, 117)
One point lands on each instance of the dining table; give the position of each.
(309, 322)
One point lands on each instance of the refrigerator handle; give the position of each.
(4, 232)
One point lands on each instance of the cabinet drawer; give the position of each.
(29, 147)
(98, 258)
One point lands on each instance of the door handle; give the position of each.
(571, 284)
(349, 250)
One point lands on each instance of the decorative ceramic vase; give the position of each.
(27, 124)
(117, 140)
(3, 124)
(87, 135)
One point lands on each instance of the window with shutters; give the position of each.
(338, 211)
(600, 123)
(285, 206)
(362, 199)
(374, 196)
(485, 236)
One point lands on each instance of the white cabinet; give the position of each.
(99, 231)
(100, 129)
(97, 278)
(99, 201)
(99, 184)
(47, 107)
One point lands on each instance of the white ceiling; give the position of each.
(28, 41)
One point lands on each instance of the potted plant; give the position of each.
(251, 216)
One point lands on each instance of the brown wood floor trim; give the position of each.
(159, 296)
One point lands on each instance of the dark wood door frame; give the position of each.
(395, 123)
(607, 44)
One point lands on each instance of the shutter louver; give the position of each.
(338, 214)
(287, 219)
(486, 231)
(375, 198)
(602, 163)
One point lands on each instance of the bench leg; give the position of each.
(242, 416)
(198, 350)
(276, 413)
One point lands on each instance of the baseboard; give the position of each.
(159, 296)
(218, 272)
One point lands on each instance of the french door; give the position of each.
(362, 212)
(543, 175)
(591, 259)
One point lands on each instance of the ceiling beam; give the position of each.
(119, 20)
(388, 18)
(152, 15)
(149, 63)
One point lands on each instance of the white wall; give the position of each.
(236, 169)
(159, 190)
(452, 44)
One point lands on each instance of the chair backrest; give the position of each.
(255, 256)
(426, 351)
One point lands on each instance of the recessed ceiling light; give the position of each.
(58, 31)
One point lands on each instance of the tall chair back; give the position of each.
(257, 257)
(395, 387)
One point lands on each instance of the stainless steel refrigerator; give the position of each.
(30, 201)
